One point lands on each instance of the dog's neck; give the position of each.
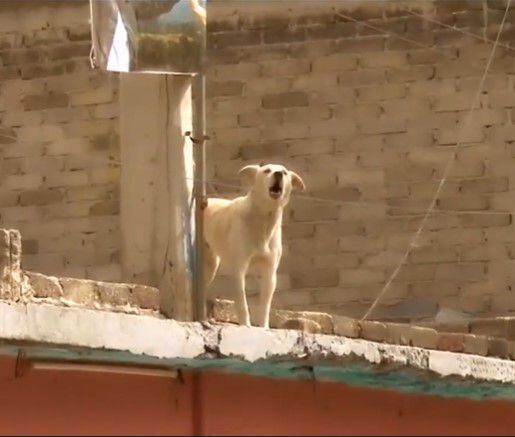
(264, 208)
(266, 216)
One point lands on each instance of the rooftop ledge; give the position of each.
(60, 319)
(49, 332)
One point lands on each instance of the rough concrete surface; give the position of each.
(171, 340)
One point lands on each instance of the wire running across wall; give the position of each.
(459, 30)
(446, 172)
(400, 37)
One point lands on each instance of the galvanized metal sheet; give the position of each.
(149, 36)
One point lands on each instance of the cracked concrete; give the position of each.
(170, 340)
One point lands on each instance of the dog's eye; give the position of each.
(267, 171)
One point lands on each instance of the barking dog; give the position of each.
(245, 233)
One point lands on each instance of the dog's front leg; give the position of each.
(268, 282)
(242, 308)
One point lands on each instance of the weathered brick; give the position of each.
(229, 88)
(53, 100)
(44, 37)
(476, 344)
(315, 278)
(384, 59)
(79, 290)
(284, 34)
(43, 133)
(237, 72)
(423, 337)
(33, 71)
(40, 197)
(145, 297)
(346, 326)
(302, 324)
(285, 67)
(375, 331)
(91, 97)
(451, 342)
(44, 286)
(361, 44)
(331, 31)
(360, 276)
(302, 320)
(231, 39)
(109, 207)
(64, 179)
(362, 77)
(414, 73)
(398, 333)
(285, 100)
(113, 294)
(108, 110)
(68, 50)
(489, 327)
(383, 92)
(456, 102)
(498, 347)
(313, 82)
(305, 212)
(334, 63)
(20, 56)
(383, 125)
(260, 117)
(472, 134)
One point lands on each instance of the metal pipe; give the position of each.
(199, 192)
(103, 368)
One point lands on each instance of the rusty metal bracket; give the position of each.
(195, 140)
(22, 366)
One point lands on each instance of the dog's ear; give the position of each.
(297, 181)
(248, 173)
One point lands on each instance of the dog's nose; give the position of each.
(278, 174)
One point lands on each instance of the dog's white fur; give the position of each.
(245, 233)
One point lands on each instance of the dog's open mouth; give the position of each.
(275, 190)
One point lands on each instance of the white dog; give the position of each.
(245, 233)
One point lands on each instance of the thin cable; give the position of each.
(412, 211)
(448, 167)
(459, 30)
(214, 183)
(383, 32)
(92, 62)
(396, 35)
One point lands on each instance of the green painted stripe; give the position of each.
(357, 374)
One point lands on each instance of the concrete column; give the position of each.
(157, 217)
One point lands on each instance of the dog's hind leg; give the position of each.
(211, 263)
(267, 282)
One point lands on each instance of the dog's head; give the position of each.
(271, 183)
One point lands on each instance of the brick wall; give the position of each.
(370, 121)
(58, 129)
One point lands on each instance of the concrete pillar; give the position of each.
(157, 217)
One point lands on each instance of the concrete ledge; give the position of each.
(208, 345)
(85, 293)
(495, 339)
(10, 270)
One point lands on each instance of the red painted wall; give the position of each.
(49, 402)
